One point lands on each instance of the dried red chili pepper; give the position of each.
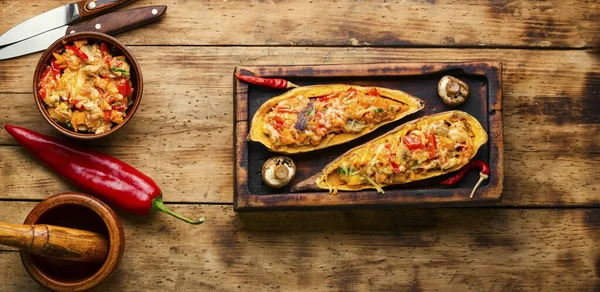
(98, 174)
(483, 175)
(77, 52)
(267, 82)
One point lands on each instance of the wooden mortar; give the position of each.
(79, 211)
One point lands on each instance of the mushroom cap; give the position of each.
(453, 91)
(278, 171)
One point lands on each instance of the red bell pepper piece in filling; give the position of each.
(413, 142)
(431, 145)
(374, 92)
(77, 52)
(54, 67)
(124, 86)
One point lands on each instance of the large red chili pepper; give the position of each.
(483, 175)
(267, 82)
(98, 174)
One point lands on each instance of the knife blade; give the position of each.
(111, 23)
(64, 15)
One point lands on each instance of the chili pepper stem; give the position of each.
(290, 85)
(157, 204)
(482, 177)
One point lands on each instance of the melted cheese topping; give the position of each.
(302, 121)
(86, 95)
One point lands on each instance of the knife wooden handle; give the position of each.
(89, 8)
(122, 20)
(55, 241)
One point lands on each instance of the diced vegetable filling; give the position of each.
(438, 145)
(300, 120)
(85, 88)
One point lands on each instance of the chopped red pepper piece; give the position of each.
(107, 115)
(285, 110)
(107, 60)
(431, 145)
(413, 142)
(43, 93)
(77, 52)
(119, 107)
(395, 166)
(279, 119)
(44, 82)
(54, 67)
(46, 73)
(103, 49)
(351, 92)
(325, 98)
(374, 92)
(124, 86)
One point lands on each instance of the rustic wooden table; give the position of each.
(543, 235)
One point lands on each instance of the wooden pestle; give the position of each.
(55, 241)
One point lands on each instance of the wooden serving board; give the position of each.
(418, 79)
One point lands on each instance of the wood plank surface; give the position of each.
(388, 250)
(522, 23)
(182, 135)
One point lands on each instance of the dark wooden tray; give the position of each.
(418, 79)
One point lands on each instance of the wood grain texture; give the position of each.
(188, 137)
(386, 250)
(502, 23)
(182, 136)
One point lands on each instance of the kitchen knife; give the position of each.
(57, 17)
(111, 23)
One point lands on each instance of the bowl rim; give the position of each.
(115, 234)
(45, 58)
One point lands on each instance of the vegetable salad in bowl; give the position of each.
(85, 88)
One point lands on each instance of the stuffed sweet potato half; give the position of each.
(314, 117)
(420, 149)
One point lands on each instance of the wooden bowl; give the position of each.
(116, 49)
(80, 211)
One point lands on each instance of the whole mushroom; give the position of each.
(453, 91)
(278, 171)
